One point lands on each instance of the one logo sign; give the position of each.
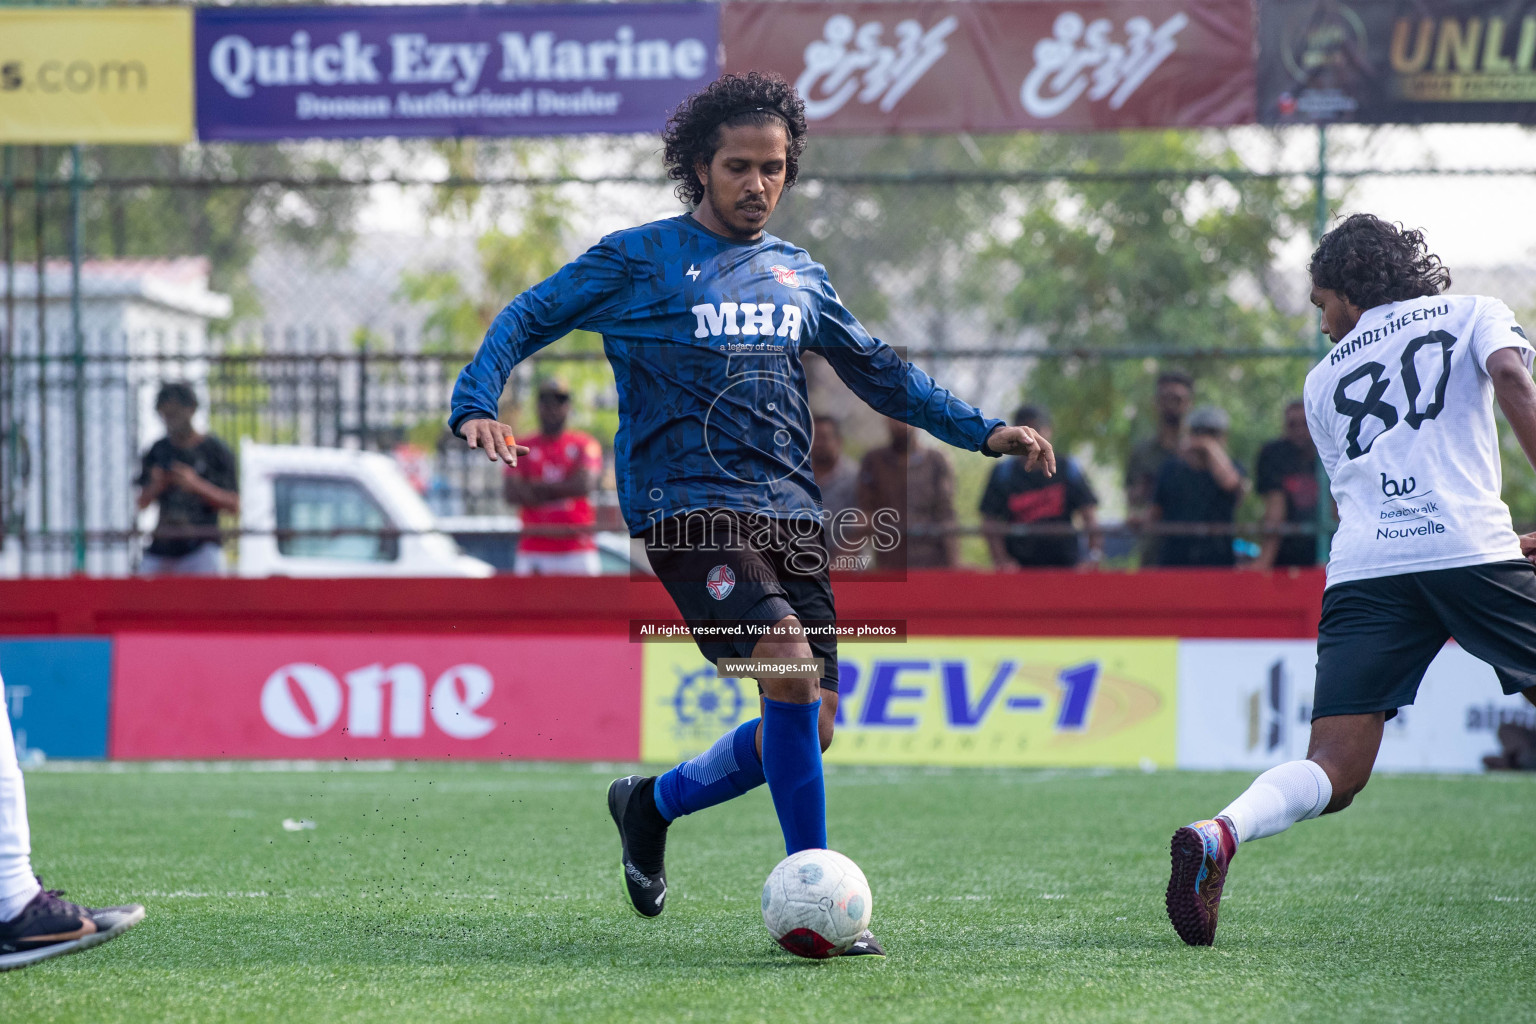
(784, 276)
(1082, 57)
(720, 581)
(693, 272)
(302, 701)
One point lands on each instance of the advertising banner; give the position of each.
(56, 693)
(1052, 65)
(1248, 704)
(349, 72)
(947, 701)
(95, 75)
(208, 695)
(1397, 61)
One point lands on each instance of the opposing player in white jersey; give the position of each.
(1401, 411)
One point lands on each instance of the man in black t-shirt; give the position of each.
(1287, 481)
(1200, 485)
(192, 478)
(1017, 495)
(1175, 396)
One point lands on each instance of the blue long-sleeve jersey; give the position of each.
(704, 335)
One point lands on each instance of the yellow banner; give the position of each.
(948, 701)
(98, 75)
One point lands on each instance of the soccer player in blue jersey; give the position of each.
(704, 318)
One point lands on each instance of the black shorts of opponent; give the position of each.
(725, 566)
(1378, 636)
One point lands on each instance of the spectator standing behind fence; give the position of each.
(552, 483)
(838, 480)
(1202, 484)
(1175, 395)
(1016, 495)
(1287, 481)
(192, 478)
(912, 489)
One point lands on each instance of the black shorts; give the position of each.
(722, 566)
(1378, 636)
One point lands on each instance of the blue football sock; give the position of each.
(723, 772)
(792, 763)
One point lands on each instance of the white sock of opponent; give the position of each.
(1278, 799)
(17, 883)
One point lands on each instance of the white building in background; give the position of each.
(143, 322)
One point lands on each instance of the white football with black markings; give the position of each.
(816, 903)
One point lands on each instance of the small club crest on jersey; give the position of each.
(784, 276)
(720, 581)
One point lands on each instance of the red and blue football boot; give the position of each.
(1201, 853)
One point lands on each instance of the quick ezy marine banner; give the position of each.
(1397, 61)
(268, 73)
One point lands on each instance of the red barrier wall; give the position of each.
(1192, 603)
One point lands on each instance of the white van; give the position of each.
(321, 493)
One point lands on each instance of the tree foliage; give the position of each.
(154, 216)
(522, 237)
(1148, 256)
(1164, 263)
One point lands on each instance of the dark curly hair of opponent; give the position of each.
(1371, 262)
(692, 134)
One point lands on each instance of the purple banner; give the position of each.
(268, 73)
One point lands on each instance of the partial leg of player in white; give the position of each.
(1339, 759)
(37, 924)
(1287, 793)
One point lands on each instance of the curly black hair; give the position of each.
(692, 134)
(1371, 262)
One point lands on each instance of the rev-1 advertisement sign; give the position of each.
(948, 701)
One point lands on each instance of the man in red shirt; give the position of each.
(551, 483)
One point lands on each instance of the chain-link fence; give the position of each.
(326, 296)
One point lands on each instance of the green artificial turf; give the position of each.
(454, 892)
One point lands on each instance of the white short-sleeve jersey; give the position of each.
(1401, 411)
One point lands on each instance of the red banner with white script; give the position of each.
(1043, 65)
(211, 695)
